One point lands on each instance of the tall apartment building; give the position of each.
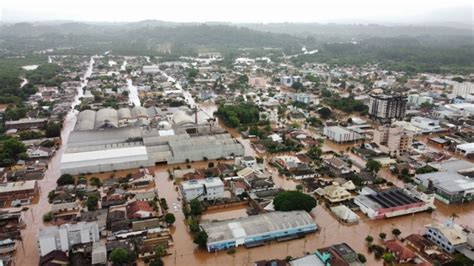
(463, 89)
(393, 139)
(387, 107)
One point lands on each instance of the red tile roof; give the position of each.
(402, 252)
(134, 207)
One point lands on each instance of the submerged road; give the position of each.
(27, 252)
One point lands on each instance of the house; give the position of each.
(402, 253)
(248, 161)
(143, 178)
(449, 236)
(145, 196)
(337, 166)
(40, 152)
(335, 193)
(139, 209)
(344, 214)
(427, 249)
(239, 187)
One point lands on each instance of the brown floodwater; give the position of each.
(185, 252)
(227, 213)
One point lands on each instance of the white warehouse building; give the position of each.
(340, 134)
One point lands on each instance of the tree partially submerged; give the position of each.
(293, 200)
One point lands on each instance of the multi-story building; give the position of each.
(340, 134)
(463, 89)
(449, 236)
(203, 189)
(66, 236)
(387, 107)
(393, 140)
(289, 80)
(18, 190)
(416, 99)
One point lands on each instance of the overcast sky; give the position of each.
(353, 11)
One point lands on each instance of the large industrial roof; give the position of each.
(115, 155)
(106, 118)
(85, 120)
(256, 225)
(124, 113)
(181, 118)
(387, 199)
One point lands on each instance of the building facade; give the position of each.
(258, 229)
(66, 236)
(393, 139)
(203, 189)
(384, 108)
(449, 236)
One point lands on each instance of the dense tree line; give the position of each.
(11, 151)
(235, 115)
(347, 105)
(10, 81)
(412, 55)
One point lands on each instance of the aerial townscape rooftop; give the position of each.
(295, 133)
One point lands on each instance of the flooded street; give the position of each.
(133, 95)
(27, 253)
(185, 252)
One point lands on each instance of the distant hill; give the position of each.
(139, 37)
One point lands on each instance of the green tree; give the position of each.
(196, 207)
(293, 200)
(65, 179)
(53, 130)
(160, 251)
(200, 238)
(92, 201)
(170, 218)
(361, 258)
(48, 217)
(396, 232)
(10, 151)
(95, 181)
(373, 166)
(369, 239)
(325, 112)
(120, 256)
(389, 258)
(382, 235)
(297, 86)
(299, 187)
(194, 226)
(315, 153)
(157, 262)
